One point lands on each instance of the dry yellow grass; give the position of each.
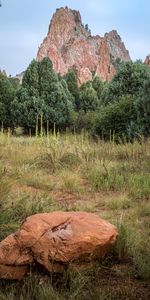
(73, 172)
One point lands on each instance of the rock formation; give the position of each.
(69, 45)
(55, 240)
(4, 73)
(147, 60)
(19, 77)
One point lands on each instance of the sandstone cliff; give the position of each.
(147, 60)
(69, 44)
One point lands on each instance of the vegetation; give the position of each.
(72, 172)
(121, 106)
(86, 148)
(116, 118)
(88, 97)
(7, 93)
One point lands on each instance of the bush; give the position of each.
(115, 118)
(129, 80)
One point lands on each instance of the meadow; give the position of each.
(72, 172)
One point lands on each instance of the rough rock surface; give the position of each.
(13, 272)
(147, 60)
(55, 240)
(70, 45)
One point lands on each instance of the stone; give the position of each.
(4, 73)
(147, 60)
(19, 77)
(13, 272)
(56, 241)
(69, 45)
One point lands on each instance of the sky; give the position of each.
(24, 24)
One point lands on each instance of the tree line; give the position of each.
(120, 107)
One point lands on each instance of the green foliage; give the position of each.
(7, 92)
(41, 92)
(114, 118)
(14, 82)
(129, 80)
(87, 29)
(120, 108)
(25, 108)
(88, 97)
(98, 86)
(142, 107)
(47, 79)
(81, 120)
(69, 95)
(71, 80)
(121, 246)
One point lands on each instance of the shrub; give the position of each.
(115, 118)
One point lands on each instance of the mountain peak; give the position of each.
(69, 45)
(147, 60)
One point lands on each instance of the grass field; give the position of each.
(73, 172)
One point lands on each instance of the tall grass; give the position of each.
(73, 172)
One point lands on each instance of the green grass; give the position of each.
(73, 172)
(118, 203)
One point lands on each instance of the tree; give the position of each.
(7, 93)
(129, 80)
(88, 97)
(26, 108)
(142, 107)
(115, 118)
(98, 86)
(68, 93)
(71, 80)
(59, 107)
(31, 79)
(14, 82)
(47, 78)
(41, 92)
(87, 29)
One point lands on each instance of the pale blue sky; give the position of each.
(24, 24)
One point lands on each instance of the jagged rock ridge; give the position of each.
(70, 45)
(147, 60)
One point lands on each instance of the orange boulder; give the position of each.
(56, 240)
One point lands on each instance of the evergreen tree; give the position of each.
(98, 86)
(129, 80)
(31, 79)
(71, 80)
(42, 92)
(88, 97)
(7, 93)
(47, 78)
(142, 107)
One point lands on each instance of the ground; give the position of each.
(73, 172)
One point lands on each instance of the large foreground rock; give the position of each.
(55, 240)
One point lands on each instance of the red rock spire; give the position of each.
(69, 44)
